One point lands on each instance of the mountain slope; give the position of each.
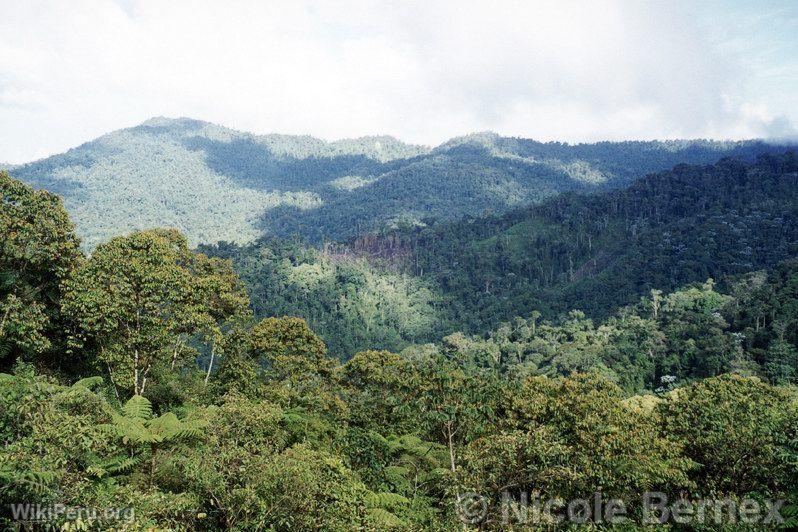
(594, 252)
(210, 182)
(599, 252)
(215, 183)
(485, 173)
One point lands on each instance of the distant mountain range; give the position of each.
(214, 183)
(589, 252)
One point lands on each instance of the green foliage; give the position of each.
(286, 437)
(210, 182)
(738, 430)
(351, 304)
(139, 430)
(216, 184)
(592, 252)
(140, 299)
(602, 251)
(38, 250)
(483, 173)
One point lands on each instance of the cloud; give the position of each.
(423, 71)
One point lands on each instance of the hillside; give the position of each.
(214, 183)
(593, 252)
(210, 182)
(599, 252)
(135, 378)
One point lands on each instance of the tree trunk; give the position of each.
(452, 464)
(210, 366)
(153, 451)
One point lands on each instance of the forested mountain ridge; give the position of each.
(137, 379)
(213, 183)
(484, 173)
(206, 180)
(592, 252)
(598, 252)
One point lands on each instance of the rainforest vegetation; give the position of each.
(213, 183)
(148, 376)
(732, 222)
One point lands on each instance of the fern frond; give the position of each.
(36, 481)
(165, 427)
(5, 347)
(88, 382)
(385, 500)
(131, 430)
(168, 427)
(112, 465)
(382, 519)
(137, 407)
(7, 279)
(192, 428)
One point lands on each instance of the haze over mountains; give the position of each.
(214, 183)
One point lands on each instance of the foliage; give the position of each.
(592, 252)
(598, 252)
(140, 299)
(352, 304)
(286, 437)
(38, 250)
(738, 430)
(213, 183)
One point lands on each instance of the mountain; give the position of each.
(210, 182)
(214, 183)
(601, 251)
(592, 252)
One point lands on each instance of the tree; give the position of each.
(458, 405)
(38, 250)
(140, 299)
(138, 429)
(380, 387)
(606, 445)
(291, 351)
(738, 430)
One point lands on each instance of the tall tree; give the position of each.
(142, 300)
(38, 249)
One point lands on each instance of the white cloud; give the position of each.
(421, 70)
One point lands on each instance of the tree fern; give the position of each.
(381, 508)
(7, 280)
(385, 500)
(138, 429)
(382, 519)
(89, 382)
(111, 466)
(36, 482)
(137, 407)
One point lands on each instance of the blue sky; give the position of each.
(423, 71)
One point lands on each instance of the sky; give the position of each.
(423, 71)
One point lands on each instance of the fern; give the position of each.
(5, 347)
(88, 383)
(385, 500)
(38, 482)
(137, 407)
(140, 430)
(111, 466)
(7, 280)
(382, 519)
